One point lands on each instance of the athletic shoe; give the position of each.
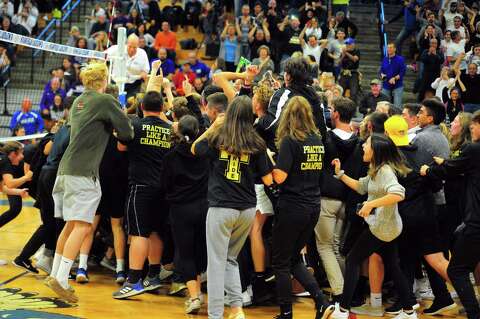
(238, 315)
(192, 306)
(46, 282)
(25, 264)
(164, 274)
(397, 308)
(129, 290)
(201, 297)
(107, 263)
(284, 316)
(3, 262)
(247, 297)
(437, 308)
(151, 283)
(324, 312)
(369, 310)
(82, 276)
(120, 277)
(338, 314)
(66, 294)
(44, 263)
(404, 315)
(177, 288)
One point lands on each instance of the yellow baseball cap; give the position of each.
(397, 129)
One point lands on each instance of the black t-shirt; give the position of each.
(303, 162)
(231, 183)
(472, 83)
(147, 149)
(348, 64)
(292, 41)
(6, 166)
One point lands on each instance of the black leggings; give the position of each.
(465, 257)
(188, 227)
(366, 245)
(15, 203)
(51, 227)
(292, 229)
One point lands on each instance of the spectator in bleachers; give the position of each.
(229, 47)
(456, 50)
(457, 26)
(258, 37)
(290, 29)
(57, 111)
(469, 83)
(244, 24)
(335, 48)
(166, 39)
(74, 35)
(349, 76)
(198, 85)
(51, 89)
(100, 25)
(448, 16)
(409, 12)
(193, 8)
(392, 72)
(312, 45)
(18, 130)
(454, 104)
(31, 8)
(313, 28)
(432, 60)
(25, 22)
(370, 100)
(264, 62)
(348, 26)
(134, 17)
(182, 73)
(77, 61)
(142, 32)
(151, 52)
(69, 73)
(6, 9)
(30, 120)
(174, 14)
(97, 11)
(168, 66)
(201, 70)
(340, 6)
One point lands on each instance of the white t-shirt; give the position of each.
(463, 34)
(455, 49)
(315, 51)
(439, 84)
(316, 32)
(449, 18)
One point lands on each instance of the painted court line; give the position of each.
(13, 278)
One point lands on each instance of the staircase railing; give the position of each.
(51, 29)
(381, 28)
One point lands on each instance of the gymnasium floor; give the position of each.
(23, 295)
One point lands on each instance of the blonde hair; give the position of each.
(94, 75)
(263, 93)
(296, 120)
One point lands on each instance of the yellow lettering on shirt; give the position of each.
(233, 171)
(156, 136)
(313, 159)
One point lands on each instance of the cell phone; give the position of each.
(359, 207)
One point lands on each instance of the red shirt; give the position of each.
(179, 77)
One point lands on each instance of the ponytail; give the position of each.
(187, 131)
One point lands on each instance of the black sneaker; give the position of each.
(25, 264)
(324, 312)
(394, 309)
(438, 308)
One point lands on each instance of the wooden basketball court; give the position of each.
(23, 295)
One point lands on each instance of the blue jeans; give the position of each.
(395, 95)
(469, 107)
(401, 37)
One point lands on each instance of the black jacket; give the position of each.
(283, 95)
(467, 163)
(335, 147)
(185, 177)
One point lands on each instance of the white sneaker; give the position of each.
(404, 315)
(39, 254)
(423, 289)
(44, 263)
(164, 274)
(247, 297)
(338, 314)
(368, 310)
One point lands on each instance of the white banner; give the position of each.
(22, 138)
(49, 46)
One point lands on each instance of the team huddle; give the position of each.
(211, 173)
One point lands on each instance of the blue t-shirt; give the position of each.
(230, 49)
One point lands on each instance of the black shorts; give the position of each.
(146, 210)
(114, 194)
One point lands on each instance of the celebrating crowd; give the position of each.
(249, 178)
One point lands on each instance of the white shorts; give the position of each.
(264, 205)
(76, 197)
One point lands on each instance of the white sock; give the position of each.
(83, 263)
(56, 262)
(120, 265)
(64, 271)
(376, 300)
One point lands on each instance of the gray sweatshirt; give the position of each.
(386, 223)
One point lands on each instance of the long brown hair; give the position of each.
(385, 152)
(456, 142)
(10, 146)
(237, 135)
(296, 120)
